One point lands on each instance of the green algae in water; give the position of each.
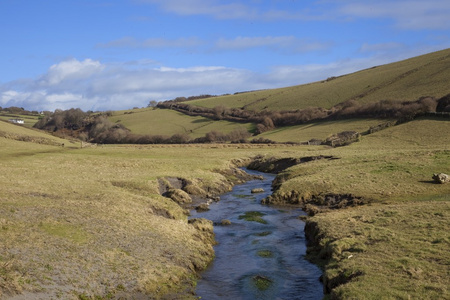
(243, 196)
(262, 283)
(264, 233)
(265, 253)
(253, 216)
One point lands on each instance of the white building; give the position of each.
(17, 121)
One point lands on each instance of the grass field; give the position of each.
(168, 122)
(319, 130)
(29, 120)
(425, 75)
(86, 223)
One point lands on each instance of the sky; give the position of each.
(119, 54)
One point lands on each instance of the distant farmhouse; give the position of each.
(17, 121)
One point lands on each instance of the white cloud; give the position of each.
(131, 42)
(381, 47)
(285, 43)
(232, 10)
(430, 14)
(70, 70)
(406, 14)
(92, 85)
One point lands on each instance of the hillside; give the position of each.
(425, 75)
(169, 122)
(11, 131)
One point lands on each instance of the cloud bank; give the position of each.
(92, 85)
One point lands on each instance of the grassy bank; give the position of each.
(396, 245)
(86, 223)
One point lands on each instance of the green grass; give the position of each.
(399, 251)
(396, 163)
(168, 122)
(319, 130)
(425, 75)
(29, 120)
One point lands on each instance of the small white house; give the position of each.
(17, 121)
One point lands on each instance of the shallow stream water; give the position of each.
(257, 260)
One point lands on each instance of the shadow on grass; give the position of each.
(428, 181)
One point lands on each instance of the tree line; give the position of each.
(97, 128)
(267, 120)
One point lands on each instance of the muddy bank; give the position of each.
(310, 203)
(322, 250)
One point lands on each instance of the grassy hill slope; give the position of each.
(169, 122)
(29, 120)
(23, 133)
(318, 130)
(410, 79)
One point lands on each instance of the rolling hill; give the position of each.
(169, 122)
(407, 80)
(425, 75)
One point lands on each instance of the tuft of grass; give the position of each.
(67, 231)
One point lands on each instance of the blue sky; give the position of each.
(119, 54)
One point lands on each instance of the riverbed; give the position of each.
(261, 254)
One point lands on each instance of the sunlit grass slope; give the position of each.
(168, 122)
(410, 79)
(318, 130)
(29, 120)
(19, 132)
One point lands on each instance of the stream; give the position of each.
(261, 254)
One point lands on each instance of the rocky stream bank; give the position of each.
(195, 194)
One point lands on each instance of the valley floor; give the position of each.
(91, 223)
